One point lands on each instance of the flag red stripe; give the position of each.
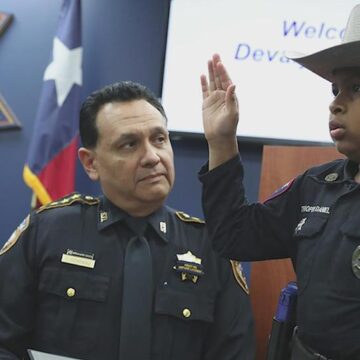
(58, 176)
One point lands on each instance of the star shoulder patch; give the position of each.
(15, 235)
(239, 275)
(283, 189)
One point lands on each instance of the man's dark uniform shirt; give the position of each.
(73, 308)
(315, 220)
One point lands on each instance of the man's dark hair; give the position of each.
(118, 92)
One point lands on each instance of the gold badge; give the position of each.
(78, 259)
(331, 177)
(189, 266)
(15, 235)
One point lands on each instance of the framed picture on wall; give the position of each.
(5, 20)
(8, 120)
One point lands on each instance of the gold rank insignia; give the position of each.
(70, 200)
(187, 218)
(239, 275)
(78, 259)
(15, 235)
(189, 266)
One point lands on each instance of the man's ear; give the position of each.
(88, 161)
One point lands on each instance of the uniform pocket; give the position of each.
(71, 304)
(181, 321)
(306, 234)
(351, 228)
(345, 270)
(74, 285)
(184, 306)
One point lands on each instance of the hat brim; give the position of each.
(324, 62)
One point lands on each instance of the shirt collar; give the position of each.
(159, 222)
(351, 168)
(109, 214)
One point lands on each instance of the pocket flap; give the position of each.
(85, 286)
(310, 225)
(351, 227)
(185, 306)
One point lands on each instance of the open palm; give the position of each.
(220, 107)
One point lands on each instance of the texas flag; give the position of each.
(50, 167)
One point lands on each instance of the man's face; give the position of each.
(133, 158)
(344, 124)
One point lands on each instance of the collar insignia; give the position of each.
(103, 216)
(163, 227)
(189, 266)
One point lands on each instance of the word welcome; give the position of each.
(320, 31)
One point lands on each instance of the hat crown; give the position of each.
(352, 30)
(344, 55)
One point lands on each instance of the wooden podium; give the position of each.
(279, 165)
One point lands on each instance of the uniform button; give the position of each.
(186, 313)
(70, 292)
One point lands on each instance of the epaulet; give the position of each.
(239, 275)
(69, 200)
(187, 218)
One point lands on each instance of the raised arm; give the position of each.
(220, 113)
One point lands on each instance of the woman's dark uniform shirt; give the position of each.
(315, 220)
(61, 287)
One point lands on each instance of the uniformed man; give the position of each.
(314, 219)
(121, 276)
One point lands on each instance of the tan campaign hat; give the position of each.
(347, 54)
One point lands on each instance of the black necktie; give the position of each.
(136, 310)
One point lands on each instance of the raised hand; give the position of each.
(220, 112)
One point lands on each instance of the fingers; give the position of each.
(223, 76)
(215, 61)
(211, 75)
(204, 86)
(230, 97)
(219, 78)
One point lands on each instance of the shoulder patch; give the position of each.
(239, 275)
(187, 218)
(69, 200)
(283, 189)
(15, 235)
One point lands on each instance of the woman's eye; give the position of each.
(334, 90)
(356, 87)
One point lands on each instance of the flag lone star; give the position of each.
(65, 69)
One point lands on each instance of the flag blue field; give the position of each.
(51, 164)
